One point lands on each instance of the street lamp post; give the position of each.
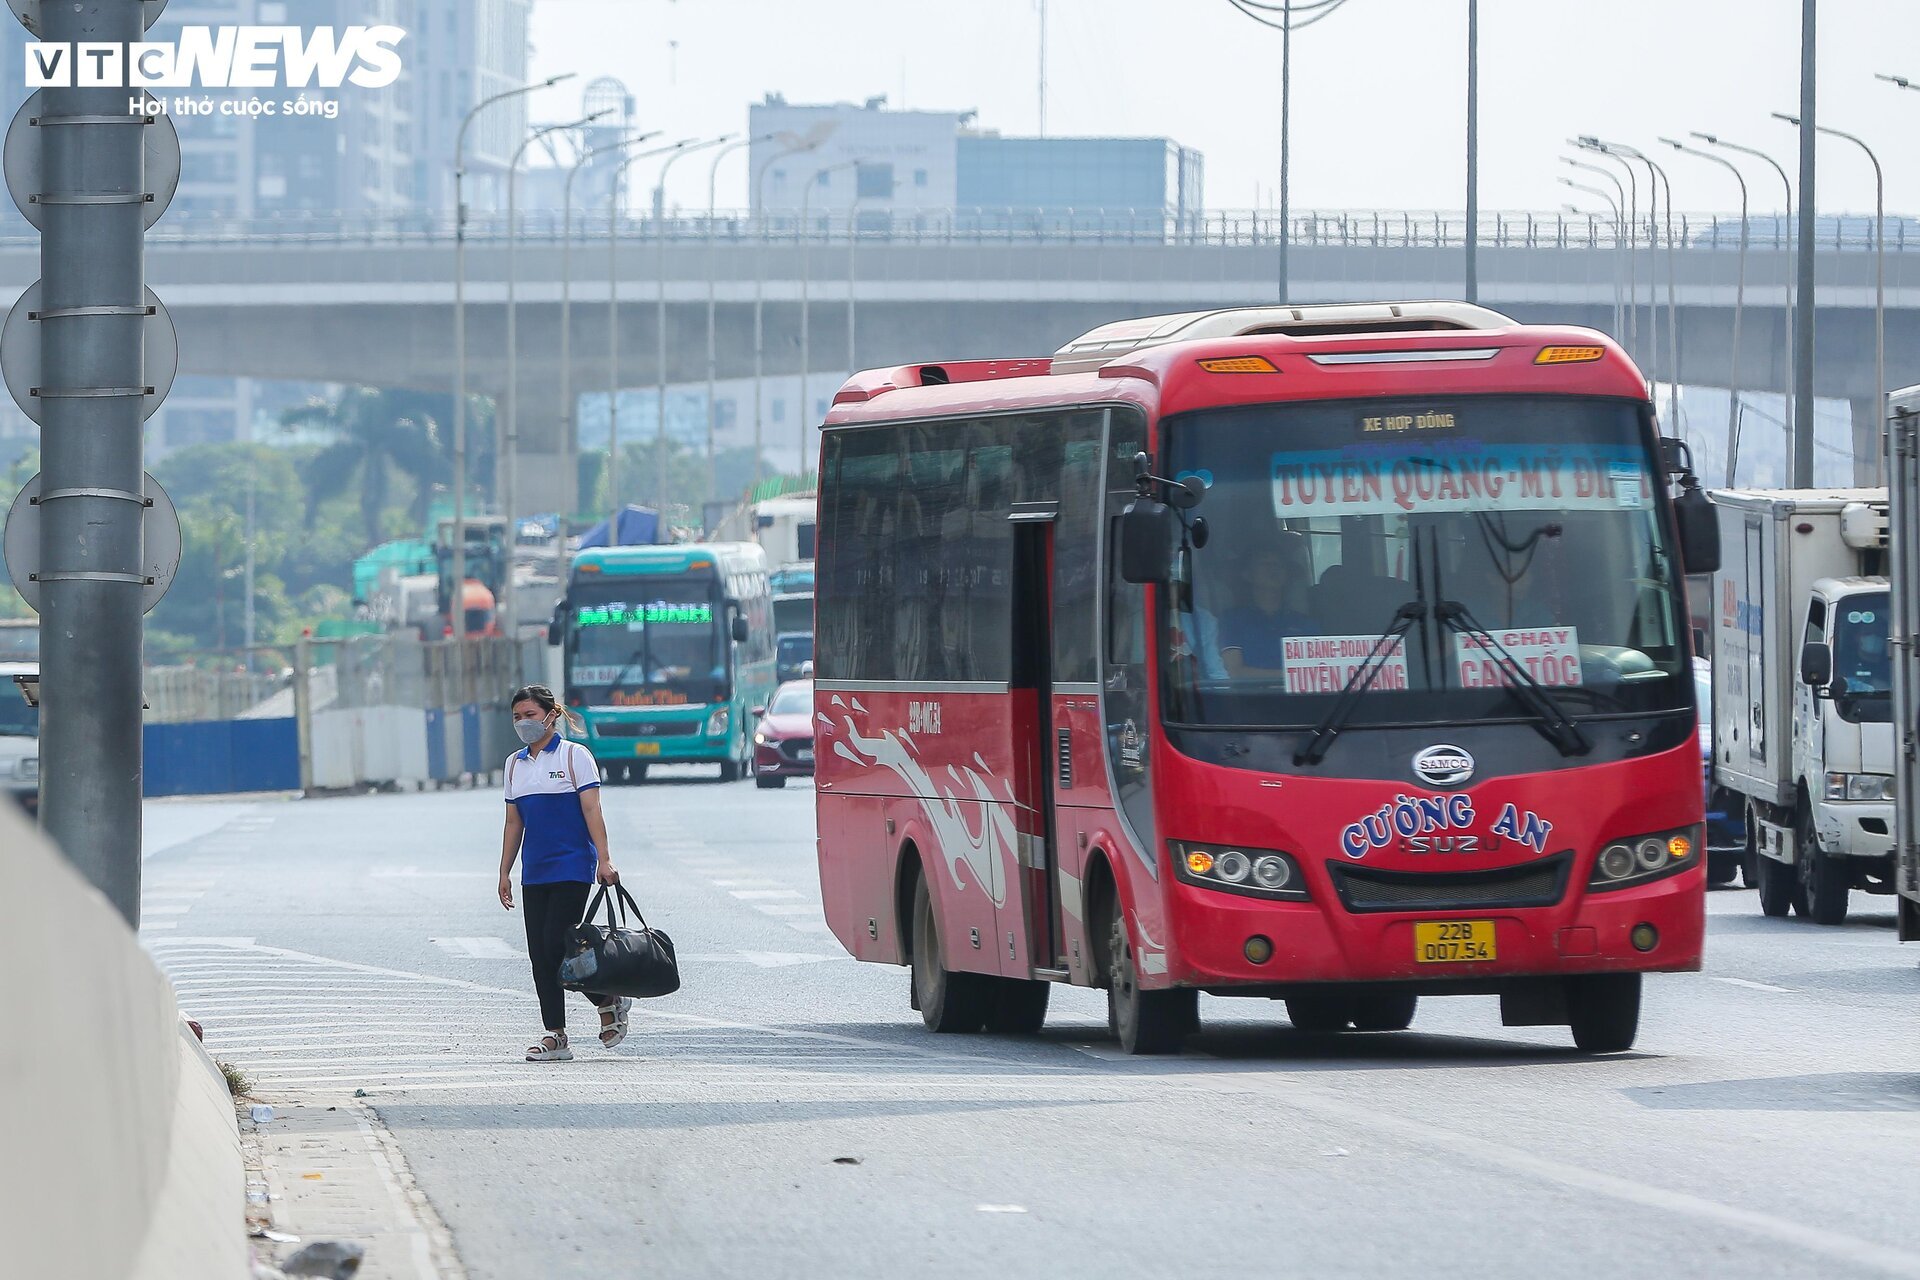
(660, 315)
(1879, 283)
(1614, 205)
(1629, 199)
(568, 429)
(1654, 172)
(1739, 302)
(457, 604)
(1787, 309)
(713, 348)
(613, 337)
(806, 299)
(508, 463)
(757, 213)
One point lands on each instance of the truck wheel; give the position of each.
(1779, 886)
(1143, 1021)
(1017, 1007)
(769, 781)
(1723, 865)
(1824, 880)
(948, 1002)
(1605, 1011)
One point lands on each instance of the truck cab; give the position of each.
(1803, 703)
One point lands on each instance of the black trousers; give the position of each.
(552, 910)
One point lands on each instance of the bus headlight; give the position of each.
(1638, 859)
(717, 722)
(1258, 873)
(1859, 786)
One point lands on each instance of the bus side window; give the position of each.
(1126, 609)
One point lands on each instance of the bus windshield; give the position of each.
(17, 718)
(648, 642)
(1501, 533)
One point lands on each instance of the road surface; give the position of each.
(786, 1114)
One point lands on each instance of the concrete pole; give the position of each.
(1629, 200)
(806, 302)
(757, 212)
(92, 380)
(1802, 474)
(613, 339)
(456, 604)
(1286, 126)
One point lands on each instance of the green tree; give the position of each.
(376, 436)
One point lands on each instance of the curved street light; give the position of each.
(1786, 229)
(1739, 301)
(457, 603)
(713, 349)
(509, 422)
(1879, 290)
(660, 313)
(1655, 172)
(1629, 200)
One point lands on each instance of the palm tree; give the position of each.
(375, 434)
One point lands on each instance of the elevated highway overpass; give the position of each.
(330, 299)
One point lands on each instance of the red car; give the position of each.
(783, 739)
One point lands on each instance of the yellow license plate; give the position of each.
(646, 748)
(1453, 941)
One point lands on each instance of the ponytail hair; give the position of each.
(542, 697)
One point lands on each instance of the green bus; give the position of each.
(665, 650)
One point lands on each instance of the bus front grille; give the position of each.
(647, 728)
(1532, 884)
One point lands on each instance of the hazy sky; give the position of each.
(1378, 87)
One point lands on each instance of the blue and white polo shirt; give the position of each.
(556, 846)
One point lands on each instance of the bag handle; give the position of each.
(625, 901)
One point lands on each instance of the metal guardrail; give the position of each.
(1343, 228)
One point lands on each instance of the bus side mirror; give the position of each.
(1148, 532)
(1816, 667)
(739, 629)
(1699, 529)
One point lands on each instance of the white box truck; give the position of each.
(1903, 492)
(1802, 695)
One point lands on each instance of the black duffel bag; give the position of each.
(616, 959)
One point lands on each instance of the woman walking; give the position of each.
(556, 829)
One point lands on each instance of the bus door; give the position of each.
(1032, 688)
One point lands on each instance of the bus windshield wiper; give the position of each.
(1552, 719)
(1404, 620)
(637, 656)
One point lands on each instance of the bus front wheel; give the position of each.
(1604, 1009)
(948, 1002)
(1143, 1021)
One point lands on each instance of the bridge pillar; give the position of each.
(1869, 429)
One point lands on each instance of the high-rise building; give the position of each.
(462, 53)
(881, 165)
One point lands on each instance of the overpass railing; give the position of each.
(1339, 228)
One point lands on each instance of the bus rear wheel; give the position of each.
(1017, 1007)
(1604, 1009)
(769, 781)
(1143, 1021)
(948, 1002)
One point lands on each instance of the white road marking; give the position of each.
(1000, 1208)
(145, 925)
(764, 959)
(480, 948)
(1754, 986)
(755, 895)
(785, 910)
(414, 873)
(819, 927)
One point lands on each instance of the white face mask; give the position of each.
(530, 731)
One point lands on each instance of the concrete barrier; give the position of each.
(120, 1156)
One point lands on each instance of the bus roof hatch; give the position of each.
(1110, 341)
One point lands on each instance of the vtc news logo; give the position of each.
(225, 58)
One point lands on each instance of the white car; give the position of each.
(19, 738)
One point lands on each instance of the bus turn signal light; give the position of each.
(1199, 863)
(1569, 355)
(1239, 364)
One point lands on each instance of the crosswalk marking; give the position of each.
(480, 948)
(755, 895)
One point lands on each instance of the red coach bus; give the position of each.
(1330, 654)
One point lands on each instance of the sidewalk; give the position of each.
(329, 1170)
